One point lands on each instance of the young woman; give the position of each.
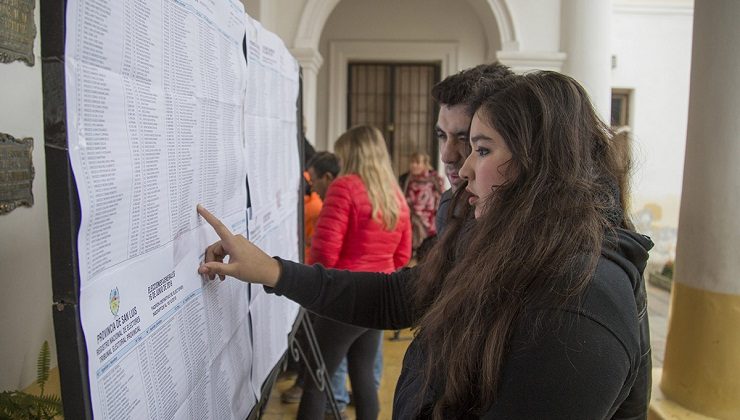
(533, 303)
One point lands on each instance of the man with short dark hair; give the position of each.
(322, 169)
(453, 122)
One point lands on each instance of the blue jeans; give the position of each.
(339, 379)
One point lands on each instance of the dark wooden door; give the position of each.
(396, 98)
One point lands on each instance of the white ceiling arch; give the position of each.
(316, 12)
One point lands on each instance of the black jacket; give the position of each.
(442, 210)
(591, 361)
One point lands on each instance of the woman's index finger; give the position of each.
(221, 229)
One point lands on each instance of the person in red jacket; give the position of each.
(364, 222)
(364, 225)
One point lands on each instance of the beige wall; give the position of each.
(279, 16)
(652, 46)
(253, 8)
(25, 302)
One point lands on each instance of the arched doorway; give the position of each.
(325, 58)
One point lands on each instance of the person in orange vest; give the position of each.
(311, 208)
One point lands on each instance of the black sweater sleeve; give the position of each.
(370, 300)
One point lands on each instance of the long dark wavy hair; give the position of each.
(536, 245)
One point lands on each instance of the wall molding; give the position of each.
(316, 12)
(522, 61)
(654, 7)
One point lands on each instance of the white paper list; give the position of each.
(274, 182)
(155, 99)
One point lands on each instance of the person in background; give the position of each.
(364, 225)
(453, 122)
(422, 187)
(321, 169)
(311, 203)
(311, 208)
(542, 296)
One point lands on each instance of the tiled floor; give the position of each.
(393, 352)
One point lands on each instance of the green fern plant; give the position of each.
(21, 405)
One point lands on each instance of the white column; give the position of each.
(701, 368)
(310, 60)
(585, 36)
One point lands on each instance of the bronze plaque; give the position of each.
(17, 30)
(16, 172)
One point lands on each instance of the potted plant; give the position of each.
(21, 405)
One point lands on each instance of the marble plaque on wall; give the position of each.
(16, 172)
(17, 30)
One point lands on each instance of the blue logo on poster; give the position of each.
(115, 301)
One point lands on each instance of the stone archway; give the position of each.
(314, 17)
(316, 12)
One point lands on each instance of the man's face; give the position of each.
(452, 128)
(319, 184)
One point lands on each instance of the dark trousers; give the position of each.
(360, 345)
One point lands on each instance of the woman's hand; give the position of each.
(246, 261)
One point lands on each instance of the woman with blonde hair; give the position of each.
(364, 225)
(365, 179)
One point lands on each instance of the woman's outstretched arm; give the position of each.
(371, 300)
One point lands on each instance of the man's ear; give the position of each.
(329, 176)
